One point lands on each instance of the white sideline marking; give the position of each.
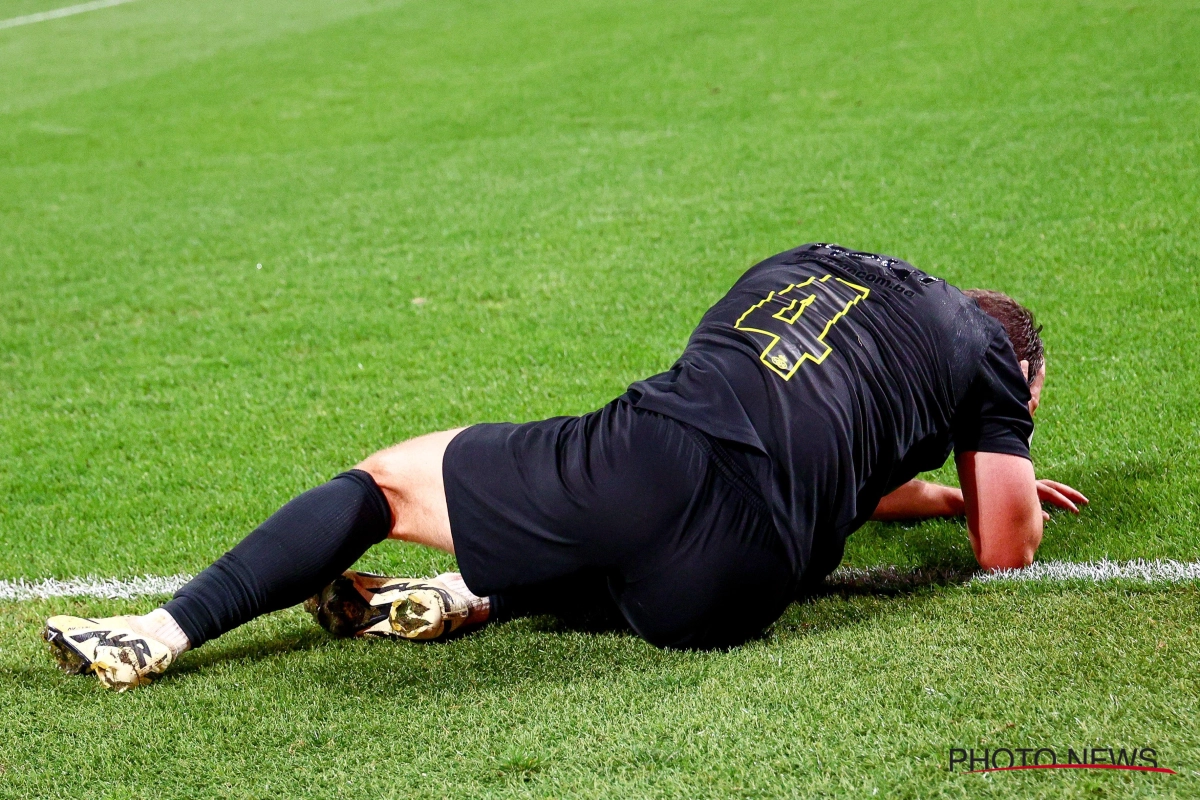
(58, 13)
(147, 585)
(1157, 571)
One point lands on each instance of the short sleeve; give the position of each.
(994, 415)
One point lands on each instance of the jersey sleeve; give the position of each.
(994, 416)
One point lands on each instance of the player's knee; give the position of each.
(387, 467)
(411, 461)
(376, 465)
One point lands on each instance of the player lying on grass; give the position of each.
(697, 506)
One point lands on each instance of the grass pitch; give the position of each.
(470, 211)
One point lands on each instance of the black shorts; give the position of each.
(684, 537)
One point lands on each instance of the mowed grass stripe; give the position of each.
(878, 578)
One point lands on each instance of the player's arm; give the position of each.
(924, 500)
(1004, 514)
(919, 500)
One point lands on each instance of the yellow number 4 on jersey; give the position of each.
(797, 319)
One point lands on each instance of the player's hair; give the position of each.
(1022, 329)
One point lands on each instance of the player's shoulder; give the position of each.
(902, 294)
(887, 277)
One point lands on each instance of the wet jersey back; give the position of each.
(849, 373)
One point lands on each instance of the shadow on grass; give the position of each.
(539, 649)
(936, 544)
(892, 581)
(300, 641)
(511, 656)
(853, 596)
(285, 654)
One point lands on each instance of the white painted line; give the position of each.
(58, 13)
(896, 578)
(1104, 570)
(892, 579)
(147, 585)
(1157, 571)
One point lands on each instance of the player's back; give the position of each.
(849, 372)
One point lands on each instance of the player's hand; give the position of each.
(1060, 495)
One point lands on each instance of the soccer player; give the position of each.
(695, 507)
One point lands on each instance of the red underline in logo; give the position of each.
(1078, 766)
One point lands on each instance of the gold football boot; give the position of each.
(110, 648)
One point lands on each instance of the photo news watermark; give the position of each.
(1006, 759)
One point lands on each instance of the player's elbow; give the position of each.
(1003, 512)
(1014, 550)
(994, 562)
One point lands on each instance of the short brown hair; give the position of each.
(1022, 329)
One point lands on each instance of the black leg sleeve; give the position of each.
(291, 556)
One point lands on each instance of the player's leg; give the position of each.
(293, 554)
(532, 509)
(363, 604)
(582, 601)
(410, 476)
(666, 521)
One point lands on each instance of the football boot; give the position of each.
(110, 648)
(364, 604)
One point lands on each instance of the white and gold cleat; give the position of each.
(362, 604)
(118, 655)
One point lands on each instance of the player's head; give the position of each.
(1024, 333)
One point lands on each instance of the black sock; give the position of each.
(290, 557)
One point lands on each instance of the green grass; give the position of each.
(844, 697)
(569, 186)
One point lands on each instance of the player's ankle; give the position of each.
(162, 626)
(480, 607)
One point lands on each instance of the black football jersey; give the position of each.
(848, 374)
